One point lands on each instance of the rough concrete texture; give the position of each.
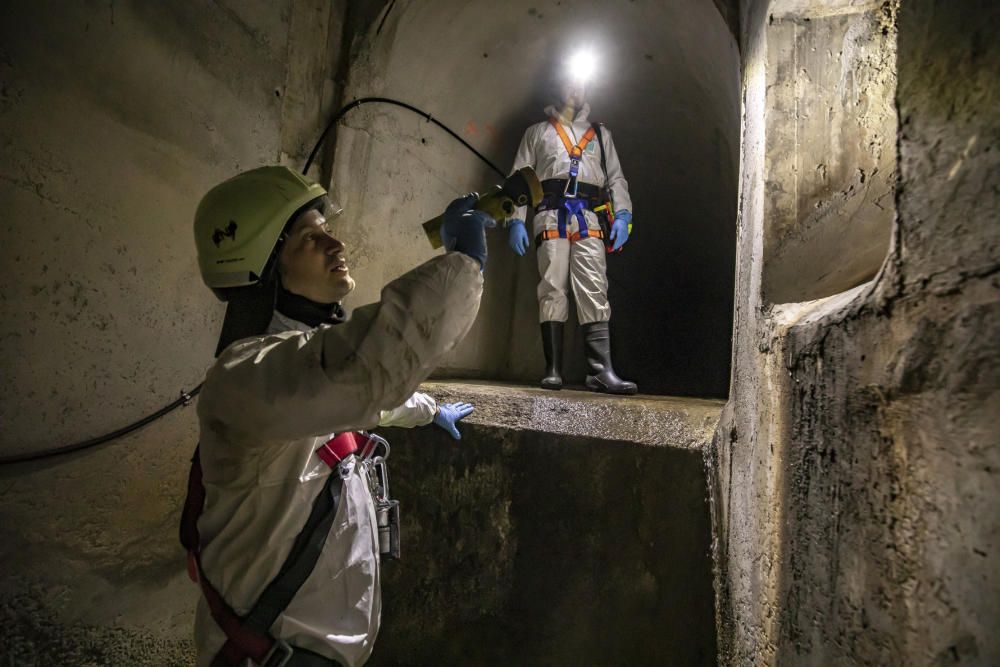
(855, 468)
(526, 546)
(831, 151)
(33, 636)
(114, 120)
(808, 9)
(668, 90)
(647, 420)
(92, 569)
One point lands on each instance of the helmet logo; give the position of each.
(220, 234)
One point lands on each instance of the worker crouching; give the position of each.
(281, 526)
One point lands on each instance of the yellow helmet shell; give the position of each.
(239, 221)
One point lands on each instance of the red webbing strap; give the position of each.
(193, 505)
(574, 151)
(253, 644)
(241, 641)
(338, 448)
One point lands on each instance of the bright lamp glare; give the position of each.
(582, 65)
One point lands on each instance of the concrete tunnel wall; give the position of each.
(668, 90)
(855, 489)
(830, 158)
(114, 120)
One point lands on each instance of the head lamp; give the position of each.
(581, 66)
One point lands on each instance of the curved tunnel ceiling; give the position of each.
(668, 88)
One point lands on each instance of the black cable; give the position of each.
(187, 396)
(386, 100)
(107, 437)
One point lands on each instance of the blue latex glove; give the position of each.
(449, 414)
(518, 237)
(464, 228)
(619, 230)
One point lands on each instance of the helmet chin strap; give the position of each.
(306, 310)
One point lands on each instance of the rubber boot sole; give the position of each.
(550, 384)
(593, 384)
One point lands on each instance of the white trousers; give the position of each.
(581, 265)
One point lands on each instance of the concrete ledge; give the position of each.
(565, 528)
(648, 420)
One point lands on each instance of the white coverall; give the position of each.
(268, 403)
(582, 264)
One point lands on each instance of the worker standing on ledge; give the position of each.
(280, 523)
(582, 180)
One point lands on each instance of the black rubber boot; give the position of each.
(552, 344)
(597, 340)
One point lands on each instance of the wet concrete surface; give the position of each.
(647, 420)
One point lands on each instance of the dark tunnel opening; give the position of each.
(668, 90)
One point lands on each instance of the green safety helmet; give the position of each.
(240, 221)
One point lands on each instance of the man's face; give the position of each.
(573, 93)
(312, 261)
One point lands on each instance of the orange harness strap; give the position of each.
(574, 151)
(550, 234)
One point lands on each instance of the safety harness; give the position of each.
(575, 152)
(569, 198)
(248, 636)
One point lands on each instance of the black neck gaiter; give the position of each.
(306, 310)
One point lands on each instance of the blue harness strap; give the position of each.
(573, 208)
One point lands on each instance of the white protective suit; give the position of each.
(582, 264)
(268, 403)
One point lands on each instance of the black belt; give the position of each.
(554, 196)
(556, 187)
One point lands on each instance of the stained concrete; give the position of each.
(668, 90)
(114, 119)
(831, 150)
(855, 468)
(551, 499)
(645, 420)
(525, 545)
(852, 477)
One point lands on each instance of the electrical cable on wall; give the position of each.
(186, 397)
(388, 100)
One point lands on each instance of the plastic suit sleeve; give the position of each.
(616, 179)
(525, 157)
(418, 410)
(292, 385)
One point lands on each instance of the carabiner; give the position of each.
(371, 446)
